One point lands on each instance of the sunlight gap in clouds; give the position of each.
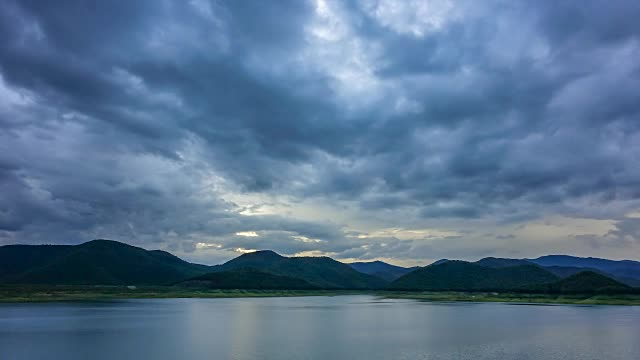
(305, 239)
(202, 245)
(244, 251)
(633, 214)
(247, 233)
(408, 234)
(314, 253)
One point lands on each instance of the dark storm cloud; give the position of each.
(142, 120)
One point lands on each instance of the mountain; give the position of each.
(464, 276)
(626, 271)
(585, 282)
(381, 269)
(97, 262)
(247, 279)
(322, 272)
(256, 259)
(501, 262)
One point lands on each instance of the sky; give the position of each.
(400, 130)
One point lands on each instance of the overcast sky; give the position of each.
(401, 130)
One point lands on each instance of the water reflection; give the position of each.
(343, 327)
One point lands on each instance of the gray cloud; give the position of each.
(171, 124)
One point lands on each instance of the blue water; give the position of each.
(341, 327)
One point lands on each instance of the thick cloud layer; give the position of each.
(403, 130)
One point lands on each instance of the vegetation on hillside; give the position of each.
(97, 262)
(247, 278)
(585, 282)
(465, 276)
(322, 272)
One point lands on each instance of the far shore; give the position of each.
(38, 294)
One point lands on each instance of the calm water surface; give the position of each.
(342, 327)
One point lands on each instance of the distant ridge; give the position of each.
(438, 262)
(566, 271)
(381, 269)
(456, 275)
(585, 282)
(501, 262)
(625, 271)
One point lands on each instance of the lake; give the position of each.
(340, 327)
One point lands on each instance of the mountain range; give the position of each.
(624, 271)
(107, 262)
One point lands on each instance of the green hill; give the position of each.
(322, 272)
(465, 276)
(247, 279)
(583, 283)
(97, 262)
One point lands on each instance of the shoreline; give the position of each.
(521, 298)
(43, 294)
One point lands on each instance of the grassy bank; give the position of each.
(16, 294)
(523, 298)
(97, 293)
